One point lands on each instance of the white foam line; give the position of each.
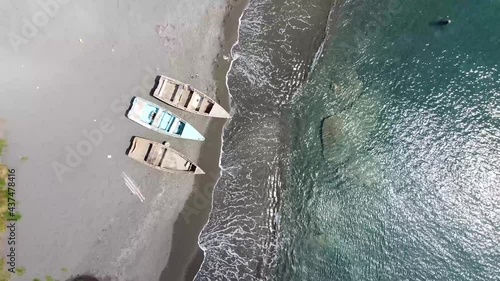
(319, 51)
(132, 186)
(222, 135)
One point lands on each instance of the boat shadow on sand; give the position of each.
(157, 82)
(130, 145)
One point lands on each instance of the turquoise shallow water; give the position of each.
(410, 187)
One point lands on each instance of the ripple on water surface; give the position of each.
(406, 187)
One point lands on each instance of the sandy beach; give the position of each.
(70, 70)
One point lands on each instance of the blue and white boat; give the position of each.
(157, 118)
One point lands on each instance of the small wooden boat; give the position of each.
(159, 119)
(161, 157)
(187, 98)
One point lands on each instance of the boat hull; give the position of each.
(184, 97)
(161, 120)
(161, 157)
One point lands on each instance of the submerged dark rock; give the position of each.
(332, 135)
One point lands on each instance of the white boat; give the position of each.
(187, 98)
(161, 157)
(159, 119)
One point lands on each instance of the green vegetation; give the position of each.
(47, 278)
(4, 172)
(4, 274)
(24, 158)
(3, 144)
(20, 271)
(16, 216)
(64, 269)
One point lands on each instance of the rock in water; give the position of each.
(328, 131)
(332, 140)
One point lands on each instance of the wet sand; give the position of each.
(197, 208)
(73, 77)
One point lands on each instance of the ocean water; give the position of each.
(407, 187)
(277, 45)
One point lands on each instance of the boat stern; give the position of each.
(136, 109)
(133, 108)
(138, 149)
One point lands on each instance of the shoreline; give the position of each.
(242, 236)
(109, 53)
(194, 216)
